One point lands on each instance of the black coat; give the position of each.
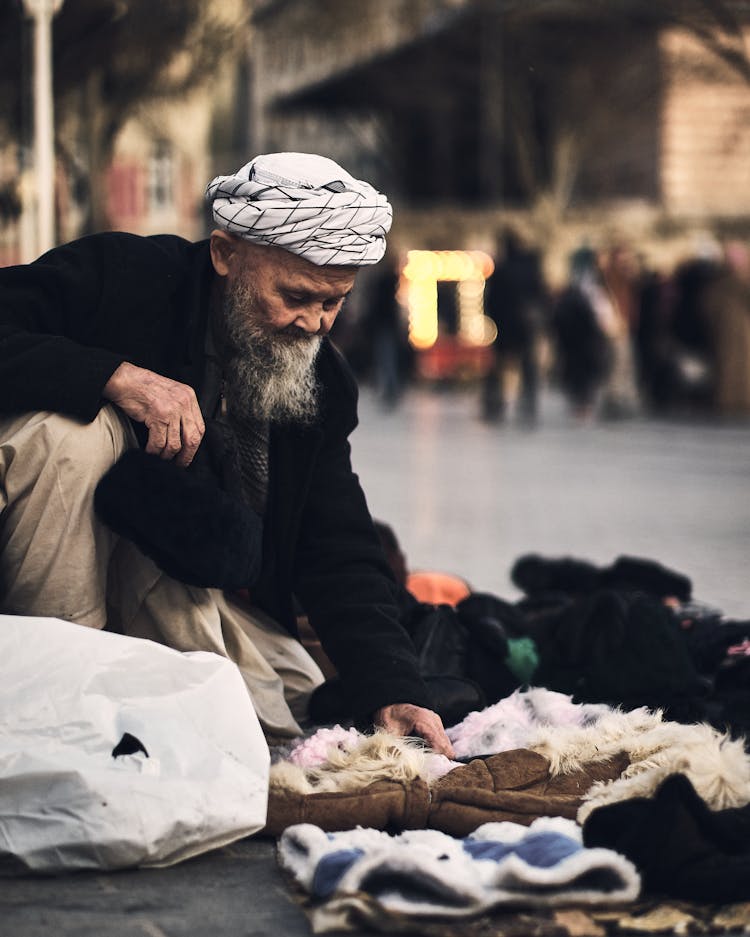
(69, 319)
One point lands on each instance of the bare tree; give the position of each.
(579, 73)
(110, 56)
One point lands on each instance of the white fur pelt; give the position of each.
(512, 721)
(717, 766)
(377, 757)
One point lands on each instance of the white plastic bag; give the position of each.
(68, 695)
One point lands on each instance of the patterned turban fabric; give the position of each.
(306, 204)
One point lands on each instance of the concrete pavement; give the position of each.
(470, 497)
(232, 892)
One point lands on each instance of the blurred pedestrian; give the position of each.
(516, 301)
(692, 343)
(657, 374)
(728, 308)
(383, 323)
(583, 356)
(620, 280)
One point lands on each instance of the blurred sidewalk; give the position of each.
(471, 497)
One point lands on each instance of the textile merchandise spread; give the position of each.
(672, 798)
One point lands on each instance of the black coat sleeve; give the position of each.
(345, 584)
(56, 339)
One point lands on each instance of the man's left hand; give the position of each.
(407, 719)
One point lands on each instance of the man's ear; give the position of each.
(224, 248)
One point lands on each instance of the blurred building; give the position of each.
(571, 121)
(162, 160)
(568, 117)
(143, 118)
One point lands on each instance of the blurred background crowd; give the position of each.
(571, 180)
(618, 337)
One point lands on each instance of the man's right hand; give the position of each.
(168, 409)
(407, 719)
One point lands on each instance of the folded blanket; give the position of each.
(427, 873)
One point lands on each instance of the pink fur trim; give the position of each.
(313, 752)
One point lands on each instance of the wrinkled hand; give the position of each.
(406, 719)
(168, 409)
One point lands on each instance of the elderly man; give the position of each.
(174, 460)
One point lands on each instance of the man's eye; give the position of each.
(295, 299)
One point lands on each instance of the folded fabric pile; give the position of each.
(429, 874)
(671, 801)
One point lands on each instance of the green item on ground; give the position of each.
(523, 658)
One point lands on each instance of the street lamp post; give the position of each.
(42, 12)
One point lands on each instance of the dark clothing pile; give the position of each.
(680, 847)
(464, 655)
(600, 634)
(629, 635)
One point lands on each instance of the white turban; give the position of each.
(306, 204)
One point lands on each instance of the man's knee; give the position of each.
(83, 451)
(54, 553)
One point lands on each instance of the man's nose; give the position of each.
(316, 320)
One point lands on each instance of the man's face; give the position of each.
(293, 297)
(276, 308)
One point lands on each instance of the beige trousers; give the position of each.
(57, 559)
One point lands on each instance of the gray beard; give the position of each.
(269, 375)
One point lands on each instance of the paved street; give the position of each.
(469, 498)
